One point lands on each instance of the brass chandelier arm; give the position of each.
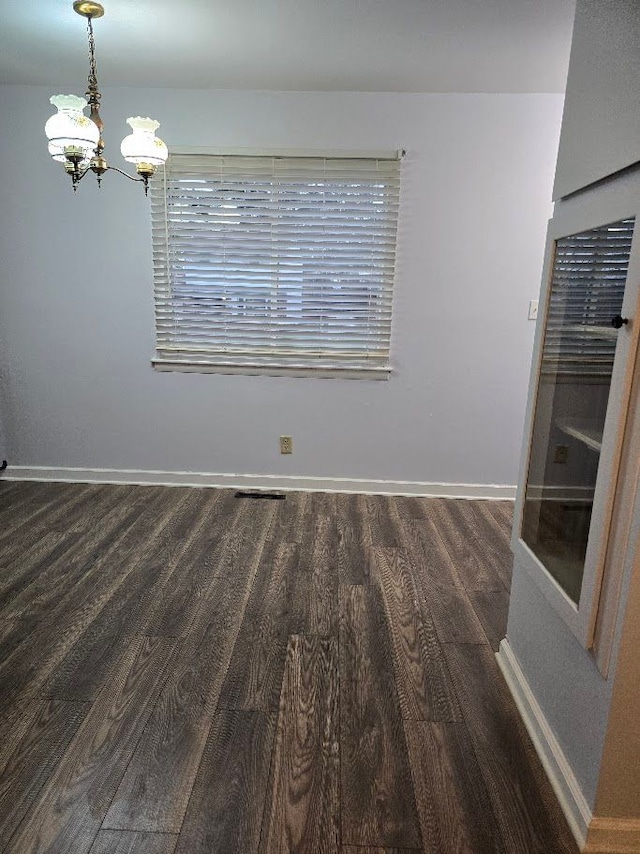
(78, 174)
(144, 177)
(81, 174)
(126, 174)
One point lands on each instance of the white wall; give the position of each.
(76, 323)
(572, 694)
(601, 124)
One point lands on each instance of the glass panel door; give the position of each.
(583, 317)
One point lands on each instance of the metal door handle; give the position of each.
(617, 322)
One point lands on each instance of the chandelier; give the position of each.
(76, 140)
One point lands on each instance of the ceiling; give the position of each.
(300, 45)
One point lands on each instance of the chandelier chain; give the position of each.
(93, 73)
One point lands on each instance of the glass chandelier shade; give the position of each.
(142, 146)
(69, 128)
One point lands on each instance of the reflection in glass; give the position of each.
(587, 289)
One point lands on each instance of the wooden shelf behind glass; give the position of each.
(585, 431)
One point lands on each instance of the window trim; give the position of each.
(324, 372)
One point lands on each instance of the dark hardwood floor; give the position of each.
(183, 671)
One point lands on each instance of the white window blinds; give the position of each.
(589, 278)
(274, 261)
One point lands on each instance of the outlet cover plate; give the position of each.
(286, 445)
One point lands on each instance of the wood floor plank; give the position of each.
(298, 596)
(189, 508)
(228, 818)
(50, 581)
(386, 526)
(151, 582)
(14, 723)
(133, 842)
(457, 527)
(275, 582)
(302, 808)
(154, 792)
(33, 662)
(378, 806)
(210, 555)
(409, 508)
(429, 552)
(189, 559)
(528, 816)
(318, 522)
(424, 686)
(451, 795)
(355, 545)
(317, 593)
(42, 561)
(452, 613)
(323, 581)
(72, 805)
(16, 578)
(33, 760)
(502, 512)
(14, 632)
(255, 672)
(86, 515)
(254, 676)
(88, 665)
(21, 538)
(492, 608)
(361, 849)
(288, 526)
(490, 536)
(95, 652)
(26, 502)
(27, 528)
(444, 600)
(237, 564)
(321, 504)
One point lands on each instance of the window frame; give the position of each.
(247, 366)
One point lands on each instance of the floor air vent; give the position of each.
(273, 496)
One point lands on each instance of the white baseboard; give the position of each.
(262, 481)
(556, 766)
(613, 836)
(560, 493)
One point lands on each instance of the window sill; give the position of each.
(346, 373)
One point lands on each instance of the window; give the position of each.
(589, 277)
(274, 263)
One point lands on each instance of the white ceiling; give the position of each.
(352, 45)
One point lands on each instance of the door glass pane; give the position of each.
(587, 288)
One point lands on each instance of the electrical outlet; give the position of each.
(561, 454)
(286, 445)
(533, 309)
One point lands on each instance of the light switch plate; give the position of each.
(533, 309)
